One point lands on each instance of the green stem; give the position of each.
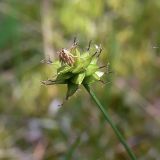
(108, 119)
(73, 148)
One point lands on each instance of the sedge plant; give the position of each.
(75, 69)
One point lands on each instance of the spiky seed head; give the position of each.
(75, 68)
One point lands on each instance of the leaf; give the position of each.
(72, 88)
(78, 79)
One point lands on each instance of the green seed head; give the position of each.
(75, 68)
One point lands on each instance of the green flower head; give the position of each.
(75, 68)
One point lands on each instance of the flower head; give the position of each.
(75, 68)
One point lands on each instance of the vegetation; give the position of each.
(33, 125)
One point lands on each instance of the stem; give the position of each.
(108, 119)
(73, 148)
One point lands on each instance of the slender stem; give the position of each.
(73, 148)
(108, 119)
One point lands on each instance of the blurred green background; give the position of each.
(32, 126)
